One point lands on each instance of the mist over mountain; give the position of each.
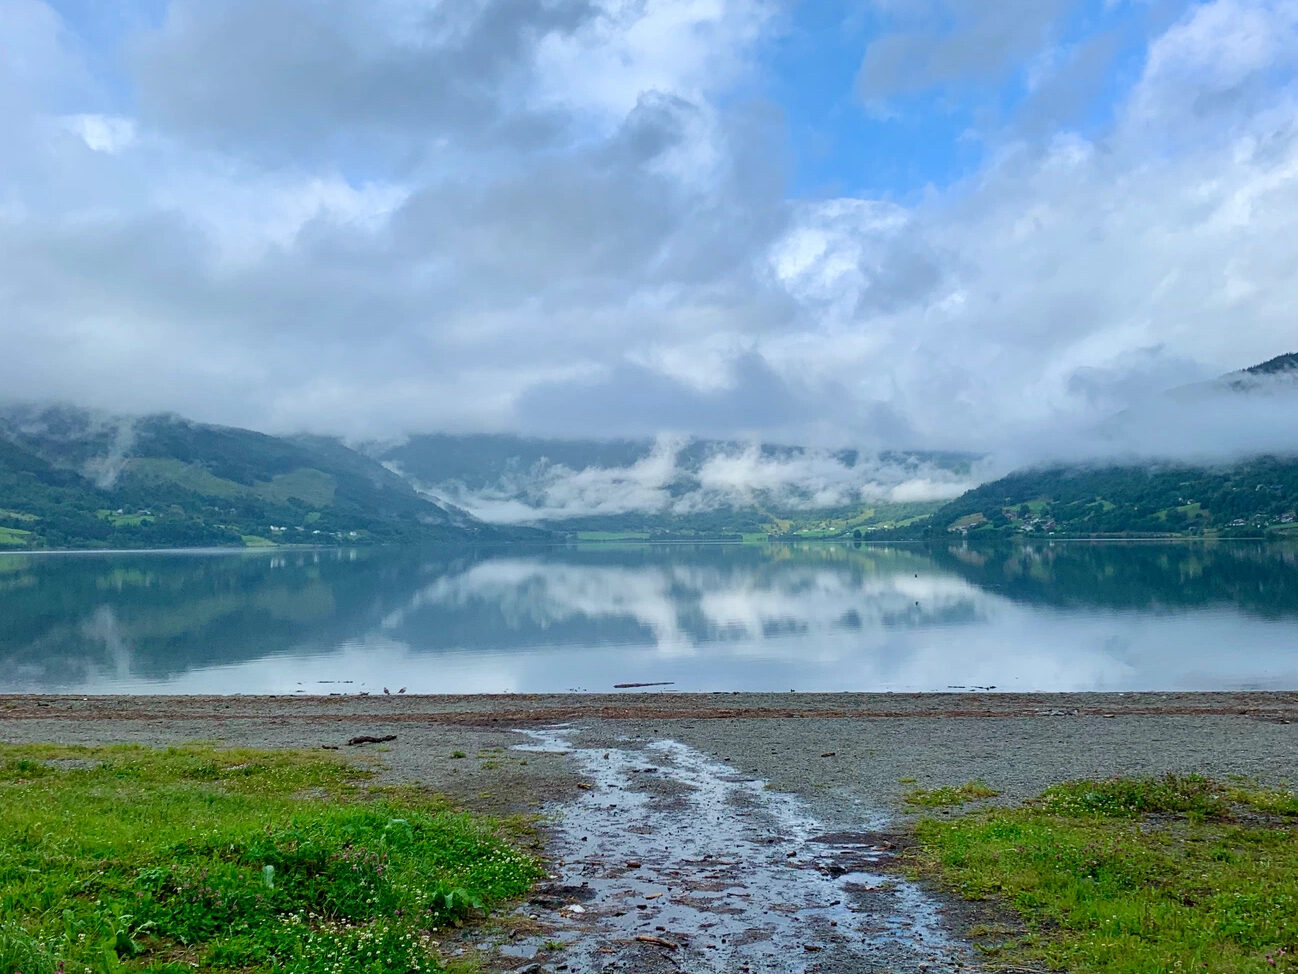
(511, 479)
(73, 477)
(1208, 457)
(1217, 457)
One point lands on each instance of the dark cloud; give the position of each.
(328, 77)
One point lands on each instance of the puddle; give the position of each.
(722, 874)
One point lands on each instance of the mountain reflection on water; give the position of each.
(1063, 616)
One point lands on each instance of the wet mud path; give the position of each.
(672, 861)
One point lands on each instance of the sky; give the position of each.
(922, 224)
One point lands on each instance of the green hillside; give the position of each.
(1251, 497)
(1247, 499)
(70, 478)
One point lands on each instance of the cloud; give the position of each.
(287, 78)
(571, 217)
(678, 476)
(954, 41)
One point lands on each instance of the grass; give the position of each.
(14, 537)
(949, 796)
(192, 476)
(123, 520)
(1131, 876)
(128, 859)
(313, 487)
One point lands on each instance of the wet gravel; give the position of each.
(673, 859)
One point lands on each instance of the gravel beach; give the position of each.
(1017, 743)
(810, 785)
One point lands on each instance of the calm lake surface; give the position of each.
(1062, 616)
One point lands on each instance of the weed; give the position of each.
(20, 951)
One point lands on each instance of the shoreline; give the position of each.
(540, 708)
(981, 542)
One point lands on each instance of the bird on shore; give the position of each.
(402, 690)
(387, 691)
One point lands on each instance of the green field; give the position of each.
(123, 519)
(14, 537)
(313, 487)
(129, 859)
(1127, 876)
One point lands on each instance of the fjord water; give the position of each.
(1052, 616)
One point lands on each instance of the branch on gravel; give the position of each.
(645, 938)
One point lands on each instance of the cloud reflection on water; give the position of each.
(710, 618)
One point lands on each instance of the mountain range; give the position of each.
(77, 478)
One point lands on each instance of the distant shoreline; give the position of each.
(980, 542)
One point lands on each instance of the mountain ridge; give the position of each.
(73, 477)
(1255, 493)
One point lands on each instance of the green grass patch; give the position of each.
(256, 541)
(313, 487)
(612, 535)
(1131, 876)
(123, 520)
(191, 476)
(130, 859)
(14, 537)
(950, 795)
